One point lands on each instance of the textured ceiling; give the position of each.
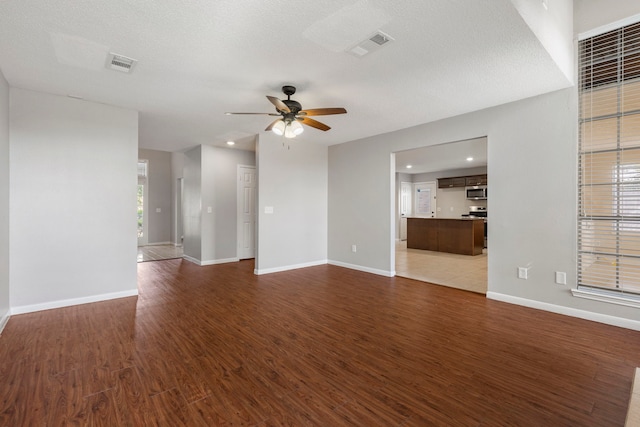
(200, 58)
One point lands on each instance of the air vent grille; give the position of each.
(120, 63)
(370, 44)
(379, 39)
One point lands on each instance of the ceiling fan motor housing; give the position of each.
(294, 106)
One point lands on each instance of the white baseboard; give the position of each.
(219, 261)
(289, 267)
(211, 261)
(191, 259)
(567, 311)
(74, 301)
(157, 244)
(384, 273)
(4, 319)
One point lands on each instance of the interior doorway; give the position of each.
(143, 202)
(420, 169)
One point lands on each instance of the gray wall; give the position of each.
(73, 198)
(192, 203)
(4, 201)
(531, 150)
(210, 181)
(177, 166)
(159, 180)
(294, 182)
(219, 191)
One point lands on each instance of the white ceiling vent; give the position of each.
(371, 44)
(120, 63)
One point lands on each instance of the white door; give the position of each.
(246, 212)
(424, 205)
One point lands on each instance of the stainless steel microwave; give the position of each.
(477, 192)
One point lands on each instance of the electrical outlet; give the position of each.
(561, 278)
(353, 248)
(523, 273)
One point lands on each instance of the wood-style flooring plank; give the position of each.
(218, 345)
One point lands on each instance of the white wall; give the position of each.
(4, 201)
(591, 14)
(73, 198)
(159, 180)
(552, 26)
(531, 150)
(293, 182)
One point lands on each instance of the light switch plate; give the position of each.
(268, 209)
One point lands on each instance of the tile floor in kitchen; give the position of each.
(456, 271)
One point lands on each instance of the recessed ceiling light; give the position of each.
(230, 143)
(409, 166)
(469, 159)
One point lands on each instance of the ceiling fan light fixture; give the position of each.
(279, 128)
(288, 132)
(296, 128)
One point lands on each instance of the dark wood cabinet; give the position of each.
(476, 180)
(462, 181)
(452, 182)
(458, 236)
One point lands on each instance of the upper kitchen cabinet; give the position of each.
(476, 180)
(459, 181)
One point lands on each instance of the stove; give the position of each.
(479, 212)
(476, 212)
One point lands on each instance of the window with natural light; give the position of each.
(609, 165)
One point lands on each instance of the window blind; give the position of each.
(609, 162)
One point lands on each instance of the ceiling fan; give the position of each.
(292, 115)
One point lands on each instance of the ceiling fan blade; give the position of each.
(259, 114)
(313, 123)
(322, 111)
(272, 124)
(280, 106)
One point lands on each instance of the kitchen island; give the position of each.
(458, 236)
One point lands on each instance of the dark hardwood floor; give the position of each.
(326, 346)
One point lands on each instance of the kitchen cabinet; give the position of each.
(462, 181)
(458, 236)
(452, 182)
(476, 180)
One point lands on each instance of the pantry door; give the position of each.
(424, 199)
